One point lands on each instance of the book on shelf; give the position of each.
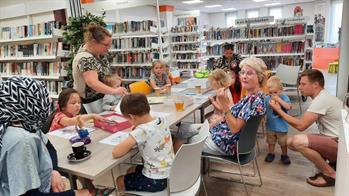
(132, 57)
(29, 50)
(133, 72)
(185, 38)
(132, 26)
(31, 30)
(184, 29)
(135, 42)
(52, 69)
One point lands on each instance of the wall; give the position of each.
(217, 20)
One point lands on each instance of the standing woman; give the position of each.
(91, 64)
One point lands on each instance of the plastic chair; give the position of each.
(246, 151)
(185, 176)
(140, 87)
(94, 107)
(289, 76)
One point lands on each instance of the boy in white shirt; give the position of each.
(154, 141)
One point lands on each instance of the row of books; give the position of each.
(133, 57)
(273, 62)
(184, 29)
(31, 30)
(133, 72)
(308, 55)
(185, 47)
(280, 47)
(309, 43)
(185, 38)
(131, 26)
(38, 49)
(136, 42)
(226, 33)
(32, 68)
(53, 87)
(187, 56)
(254, 32)
(187, 65)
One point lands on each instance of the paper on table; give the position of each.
(156, 100)
(159, 114)
(68, 132)
(177, 90)
(115, 138)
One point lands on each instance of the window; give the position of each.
(276, 12)
(336, 20)
(252, 13)
(230, 18)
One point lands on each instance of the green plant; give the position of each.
(74, 36)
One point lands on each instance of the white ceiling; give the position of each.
(238, 4)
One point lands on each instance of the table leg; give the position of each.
(202, 114)
(72, 180)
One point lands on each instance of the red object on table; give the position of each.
(111, 125)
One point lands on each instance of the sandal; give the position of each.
(329, 181)
(315, 176)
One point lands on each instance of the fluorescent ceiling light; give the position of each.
(272, 4)
(229, 9)
(192, 2)
(259, 0)
(213, 6)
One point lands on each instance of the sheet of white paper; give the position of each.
(177, 90)
(68, 132)
(159, 114)
(117, 108)
(115, 139)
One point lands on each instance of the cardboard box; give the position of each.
(116, 122)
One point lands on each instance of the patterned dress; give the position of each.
(85, 61)
(251, 105)
(233, 65)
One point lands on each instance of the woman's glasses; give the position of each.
(247, 73)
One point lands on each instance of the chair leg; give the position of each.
(259, 173)
(242, 176)
(203, 184)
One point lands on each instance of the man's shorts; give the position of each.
(280, 137)
(325, 145)
(138, 182)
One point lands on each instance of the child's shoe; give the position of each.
(270, 157)
(285, 160)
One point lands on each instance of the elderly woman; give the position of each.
(91, 64)
(224, 134)
(26, 167)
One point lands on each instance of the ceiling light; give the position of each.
(192, 2)
(259, 0)
(272, 4)
(229, 9)
(213, 6)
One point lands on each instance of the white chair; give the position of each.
(185, 176)
(289, 76)
(94, 107)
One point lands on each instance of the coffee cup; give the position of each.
(198, 89)
(157, 91)
(79, 149)
(168, 89)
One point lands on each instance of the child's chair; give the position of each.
(140, 87)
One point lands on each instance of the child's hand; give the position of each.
(99, 118)
(274, 105)
(276, 98)
(120, 91)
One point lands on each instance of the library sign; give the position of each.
(264, 19)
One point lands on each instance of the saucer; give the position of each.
(71, 157)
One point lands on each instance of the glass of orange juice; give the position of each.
(179, 104)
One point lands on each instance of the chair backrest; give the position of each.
(248, 134)
(94, 107)
(288, 74)
(186, 166)
(140, 87)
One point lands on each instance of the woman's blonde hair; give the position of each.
(274, 82)
(221, 77)
(258, 65)
(95, 32)
(111, 79)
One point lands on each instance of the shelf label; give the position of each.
(264, 19)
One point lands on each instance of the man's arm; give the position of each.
(301, 124)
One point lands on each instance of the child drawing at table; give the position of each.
(220, 79)
(159, 77)
(154, 142)
(111, 101)
(68, 109)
